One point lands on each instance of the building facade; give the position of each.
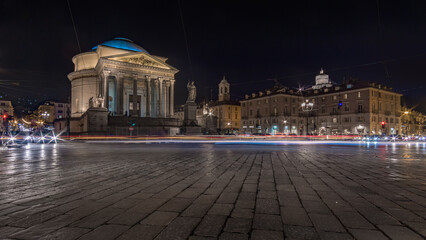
(6, 107)
(413, 122)
(354, 107)
(127, 81)
(228, 112)
(6, 110)
(46, 112)
(62, 110)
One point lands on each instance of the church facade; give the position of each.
(122, 79)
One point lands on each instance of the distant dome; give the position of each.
(121, 43)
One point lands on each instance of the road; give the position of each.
(210, 191)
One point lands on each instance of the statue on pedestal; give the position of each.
(192, 91)
(190, 126)
(96, 102)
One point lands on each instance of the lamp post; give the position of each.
(307, 107)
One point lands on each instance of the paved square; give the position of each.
(208, 191)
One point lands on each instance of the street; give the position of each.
(216, 191)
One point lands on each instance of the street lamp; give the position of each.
(307, 107)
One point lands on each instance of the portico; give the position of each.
(136, 94)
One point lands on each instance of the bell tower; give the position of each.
(224, 94)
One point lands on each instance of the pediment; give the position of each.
(142, 59)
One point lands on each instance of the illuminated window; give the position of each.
(345, 96)
(359, 94)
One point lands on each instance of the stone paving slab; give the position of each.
(181, 191)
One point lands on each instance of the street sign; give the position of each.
(130, 128)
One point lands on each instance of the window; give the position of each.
(285, 99)
(360, 110)
(334, 110)
(334, 120)
(275, 111)
(347, 119)
(244, 104)
(236, 116)
(323, 110)
(294, 110)
(334, 97)
(251, 112)
(229, 115)
(380, 106)
(266, 100)
(285, 109)
(323, 99)
(345, 96)
(346, 107)
(60, 105)
(359, 94)
(60, 111)
(258, 102)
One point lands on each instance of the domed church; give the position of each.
(118, 83)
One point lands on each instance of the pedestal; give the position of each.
(190, 126)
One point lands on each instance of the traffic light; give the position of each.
(383, 124)
(340, 104)
(132, 123)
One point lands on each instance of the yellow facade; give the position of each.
(228, 116)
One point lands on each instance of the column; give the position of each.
(160, 97)
(135, 99)
(105, 88)
(154, 103)
(120, 95)
(167, 105)
(148, 96)
(172, 92)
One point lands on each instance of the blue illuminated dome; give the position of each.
(121, 43)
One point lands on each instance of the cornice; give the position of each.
(82, 73)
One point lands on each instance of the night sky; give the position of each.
(248, 43)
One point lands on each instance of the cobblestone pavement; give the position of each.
(172, 191)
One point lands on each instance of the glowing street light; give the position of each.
(307, 106)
